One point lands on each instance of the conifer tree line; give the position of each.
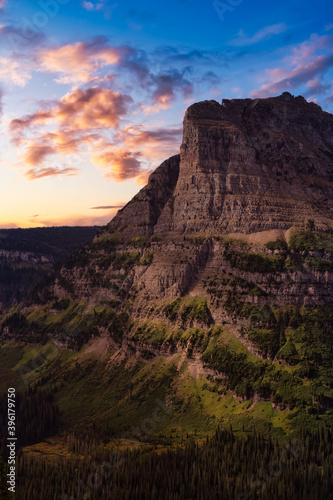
(224, 467)
(36, 417)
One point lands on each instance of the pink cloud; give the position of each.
(93, 108)
(13, 72)
(121, 163)
(78, 62)
(133, 147)
(303, 66)
(34, 173)
(75, 115)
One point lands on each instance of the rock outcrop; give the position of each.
(248, 169)
(245, 165)
(140, 216)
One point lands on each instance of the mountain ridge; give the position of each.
(227, 317)
(244, 166)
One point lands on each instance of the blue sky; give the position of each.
(93, 92)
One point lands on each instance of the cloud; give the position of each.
(1, 101)
(13, 72)
(317, 87)
(107, 207)
(35, 154)
(34, 173)
(293, 78)
(143, 177)
(91, 119)
(164, 90)
(78, 119)
(133, 149)
(2, 3)
(82, 118)
(78, 62)
(166, 87)
(121, 163)
(92, 6)
(93, 108)
(99, 5)
(263, 34)
(14, 38)
(18, 125)
(303, 67)
(153, 145)
(37, 149)
(83, 62)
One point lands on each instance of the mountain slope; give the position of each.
(212, 288)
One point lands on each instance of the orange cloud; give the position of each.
(52, 143)
(36, 154)
(155, 145)
(134, 146)
(83, 62)
(82, 117)
(78, 62)
(93, 108)
(79, 117)
(41, 173)
(121, 163)
(38, 118)
(143, 177)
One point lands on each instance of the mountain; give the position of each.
(207, 301)
(245, 165)
(27, 255)
(250, 176)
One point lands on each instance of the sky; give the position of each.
(93, 93)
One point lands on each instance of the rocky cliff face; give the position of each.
(254, 170)
(245, 165)
(140, 216)
(222, 264)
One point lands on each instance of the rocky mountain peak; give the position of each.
(245, 165)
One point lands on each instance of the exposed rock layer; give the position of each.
(245, 165)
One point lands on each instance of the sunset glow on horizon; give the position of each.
(93, 93)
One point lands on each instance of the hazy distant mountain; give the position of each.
(27, 255)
